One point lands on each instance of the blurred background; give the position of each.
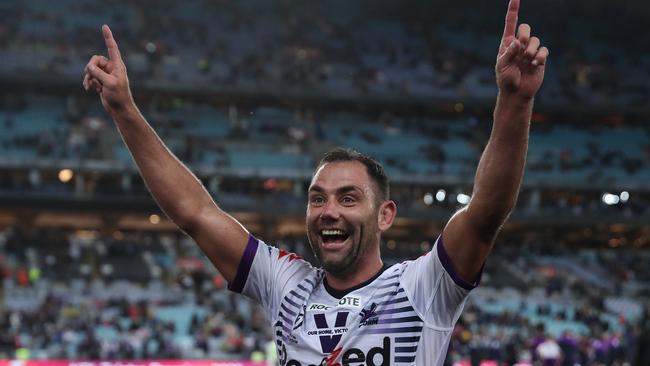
(250, 94)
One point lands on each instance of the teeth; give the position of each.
(332, 232)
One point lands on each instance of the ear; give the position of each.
(387, 213)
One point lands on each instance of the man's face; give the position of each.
(342, 216)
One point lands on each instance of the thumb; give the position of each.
(510, 53)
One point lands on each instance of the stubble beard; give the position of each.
(344, 263)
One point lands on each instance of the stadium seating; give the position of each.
(131, 316)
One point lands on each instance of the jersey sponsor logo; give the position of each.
(346, 301)
(319, 307)
(375, 356)
(354, 301)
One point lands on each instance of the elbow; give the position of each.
(187, 217)
(186, 224)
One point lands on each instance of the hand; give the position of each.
(521, 61)
(107, 76)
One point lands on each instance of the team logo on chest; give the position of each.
(330, 335)
(331, 325)
(369, 315)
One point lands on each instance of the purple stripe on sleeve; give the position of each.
(449, 267)
(244, 265)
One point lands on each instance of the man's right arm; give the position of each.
(177, 191)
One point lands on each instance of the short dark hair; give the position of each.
(373, 167)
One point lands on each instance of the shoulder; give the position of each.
(269, 267)
(280, 255)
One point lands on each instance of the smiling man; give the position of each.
(352, 310)
(348, 209)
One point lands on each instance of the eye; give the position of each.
(347, 200)
(316, 200)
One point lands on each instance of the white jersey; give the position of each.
(403, 316)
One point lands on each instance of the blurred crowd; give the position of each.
(570, 307)
(87, 295)
(421, 49)
(531, 343)
(70, 295)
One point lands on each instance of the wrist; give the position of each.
(515, 98)
(124, 110)
(514, 102)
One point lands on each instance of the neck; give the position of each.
(348, 280)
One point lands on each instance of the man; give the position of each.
(352, 310)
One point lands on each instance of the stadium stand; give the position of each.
(131, 295)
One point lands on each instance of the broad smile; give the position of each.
(333, 239)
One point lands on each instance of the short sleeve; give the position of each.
(265, 273)
(436, 290)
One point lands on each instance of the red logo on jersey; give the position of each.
(292, 256)
(331, 358)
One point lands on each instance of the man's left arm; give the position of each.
(469, 235)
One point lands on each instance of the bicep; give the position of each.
(221, 237)
(467, 243)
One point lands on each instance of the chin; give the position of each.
(338, 269)
(340, 266)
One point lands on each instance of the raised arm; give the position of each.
(176, 190)
(470, 233)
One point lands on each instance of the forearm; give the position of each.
(470, 233)
(176, 190)
(501, 167)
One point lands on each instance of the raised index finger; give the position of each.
(111, 45)
(510, 27)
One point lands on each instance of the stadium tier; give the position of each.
(276, 142)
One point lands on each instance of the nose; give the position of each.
(330, 211)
